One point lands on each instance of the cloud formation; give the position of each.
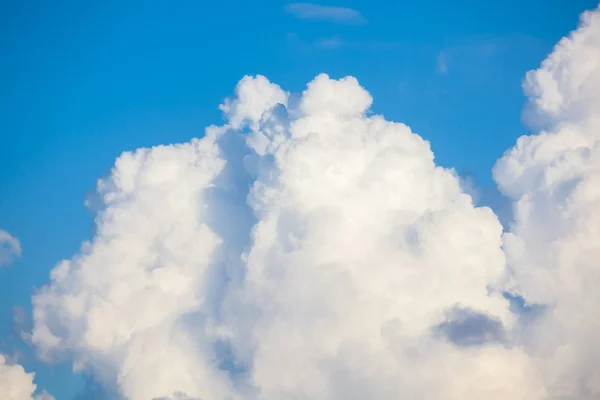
(304, 244)
(554, 245)
(15, 383)
(10, 248)
(309, 249)
(316, 12)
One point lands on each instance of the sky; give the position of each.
(83, 82)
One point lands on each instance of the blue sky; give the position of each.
(83, 81)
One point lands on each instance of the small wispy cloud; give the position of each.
(331, 43)
(442, 63)
(10, 248)
(338, 43)
(483, 55)
(317, 12)
(327, 43)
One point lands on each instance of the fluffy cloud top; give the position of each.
(131, 306)
(349, 255)
(554, 245)
(10, 248)
(565, 88)
(308, 249)
(16, 384)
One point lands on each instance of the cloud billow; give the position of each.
(308, 249)
(356, 246)
(16, 384)
(554, 244)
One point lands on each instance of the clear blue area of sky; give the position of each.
(82, 81)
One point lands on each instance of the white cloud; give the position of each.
(16, 384)
(132, 305)
(362, 247)
(343, 263)
(311, 250)
(564, 89)
(310, 11)
(253, 96)
(10, 248)
(554, 245)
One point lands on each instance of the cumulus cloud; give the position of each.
(554, 244)
(316, 12)
(132, 306)
(10, 248)
(16, 384)
(361, 248)
(305, 244)
(310, 249)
